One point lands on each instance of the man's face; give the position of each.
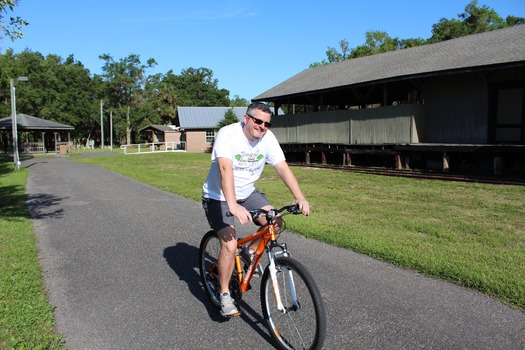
(252, 130)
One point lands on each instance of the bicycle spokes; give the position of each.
(299, 322)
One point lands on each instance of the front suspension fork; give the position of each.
(273, 274)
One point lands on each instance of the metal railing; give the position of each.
(154, 147)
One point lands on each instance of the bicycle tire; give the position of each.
(208, 255)
(302, 327)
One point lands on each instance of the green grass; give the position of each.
(26, 318)
(469, 234)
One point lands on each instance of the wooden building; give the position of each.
(163, 133)
(459, 104)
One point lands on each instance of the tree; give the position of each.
(229, 118)
(58, 90)
(239, 102)
(124, 82)
(13, 28)
(163, 97)
(198, 88)
(474, 20)
(447, 29)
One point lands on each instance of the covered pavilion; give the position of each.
(34, 131)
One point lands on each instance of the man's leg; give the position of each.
(226, 263)
(226, 260)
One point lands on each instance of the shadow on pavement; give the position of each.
(40, 206)
(183, 259)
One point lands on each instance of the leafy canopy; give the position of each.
(13, 27)
(474, 20)
(229, 118)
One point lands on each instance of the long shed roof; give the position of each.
(498, 47)
(28, 122)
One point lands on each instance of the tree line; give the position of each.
(65, 91)
(473, 20)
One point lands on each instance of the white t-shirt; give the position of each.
(248, 159)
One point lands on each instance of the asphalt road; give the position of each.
(120, 265)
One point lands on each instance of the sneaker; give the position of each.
(247, 256)
(227, 306)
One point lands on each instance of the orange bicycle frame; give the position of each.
(267, 234)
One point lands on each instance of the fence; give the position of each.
(154, 147)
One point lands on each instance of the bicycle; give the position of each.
(290, 299)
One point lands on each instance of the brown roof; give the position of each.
(163, 128)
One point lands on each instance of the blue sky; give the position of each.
(250, 45)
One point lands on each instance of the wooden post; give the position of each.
(399, 164)
(446, 168)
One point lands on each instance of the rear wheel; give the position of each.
(302, 323)
(208, 254)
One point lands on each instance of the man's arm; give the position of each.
(228, 188)
(290, 181)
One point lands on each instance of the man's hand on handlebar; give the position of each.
(303, 205)
(241, 214)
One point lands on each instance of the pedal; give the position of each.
(234, 315)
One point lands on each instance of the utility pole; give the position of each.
(102, 124)
(111, 130)
(14, 124)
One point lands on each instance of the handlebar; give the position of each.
(272, 213)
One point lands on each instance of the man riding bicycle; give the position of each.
(239, 153)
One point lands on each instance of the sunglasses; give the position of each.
(259, 122)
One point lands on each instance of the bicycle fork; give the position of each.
(288, 277)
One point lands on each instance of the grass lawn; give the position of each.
(469, 234)
(26, 318)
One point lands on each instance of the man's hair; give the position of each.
(260, 106)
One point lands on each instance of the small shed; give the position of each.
(163, 133)
(34, 134)
(198, 125)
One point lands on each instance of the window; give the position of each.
(210, 136)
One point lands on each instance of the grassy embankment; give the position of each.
(469, 234)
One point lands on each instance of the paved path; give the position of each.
(120, 263)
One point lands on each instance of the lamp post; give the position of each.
(13, 119)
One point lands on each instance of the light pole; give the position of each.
(102, 124)
(13, 119)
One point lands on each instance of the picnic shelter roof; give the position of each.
(29, 123)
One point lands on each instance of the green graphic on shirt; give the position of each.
(248, 161)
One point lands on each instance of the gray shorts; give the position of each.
(216, 210)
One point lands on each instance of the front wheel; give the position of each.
(208, 254)
(302, 323)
